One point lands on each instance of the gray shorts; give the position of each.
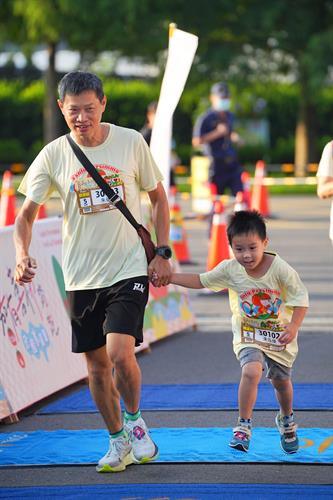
(274, 369)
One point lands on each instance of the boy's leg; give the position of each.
(251, 361)
(248, 388)
(280, 377)
(284, 394)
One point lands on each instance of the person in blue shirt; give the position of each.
(213, 131)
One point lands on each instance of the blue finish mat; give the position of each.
(83, 447)
(200, 396)
(173, 492)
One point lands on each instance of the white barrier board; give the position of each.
(35, 345)
(35, 331)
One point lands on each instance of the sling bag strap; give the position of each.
(110, 193)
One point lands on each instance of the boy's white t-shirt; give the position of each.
(260, 306)
(325, 169)
(100, 247)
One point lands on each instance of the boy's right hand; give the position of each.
(25, 270)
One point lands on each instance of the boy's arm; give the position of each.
(186, 279)
(292, 328)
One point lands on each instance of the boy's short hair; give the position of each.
(76, 82)
(244, 222)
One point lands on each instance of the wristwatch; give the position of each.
(164, 252)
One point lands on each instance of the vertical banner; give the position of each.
(182, 48)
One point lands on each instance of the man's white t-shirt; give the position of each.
(260, 306)
(100, 247)
(325, 169)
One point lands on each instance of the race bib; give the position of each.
(269, 339)
(94, 200)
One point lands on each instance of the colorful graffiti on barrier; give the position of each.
(26, 321)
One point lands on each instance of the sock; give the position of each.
(288, 419)
(245, 421)
(118, 434)
(132, 416)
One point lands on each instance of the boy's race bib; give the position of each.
(269, 339)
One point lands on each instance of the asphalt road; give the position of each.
(298, 231)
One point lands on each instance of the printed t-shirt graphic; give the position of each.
(260, 325)
(90, 197)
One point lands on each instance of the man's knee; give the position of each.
(120, 349)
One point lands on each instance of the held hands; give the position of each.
(25, 270)
(289, 334)
(159, 272)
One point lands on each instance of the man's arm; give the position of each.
(161, 219)
(325, 187)
(221, 130)
(25, 264)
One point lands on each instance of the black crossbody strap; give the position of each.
(110, 193)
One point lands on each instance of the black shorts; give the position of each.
(119, 308)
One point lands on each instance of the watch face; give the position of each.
(167, 252)
(164, 252)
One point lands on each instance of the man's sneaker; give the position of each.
(118, 456)
(287, 429)
(241, 437)
(143, 447)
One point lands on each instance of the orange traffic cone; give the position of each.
(178, 235)
(259, 198)
(7, 201)
(41, 214)
(246, 178)
(218, 244)
(240, 203)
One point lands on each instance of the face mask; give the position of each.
(222, 105)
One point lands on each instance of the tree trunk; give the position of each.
(306, 131)
(51, 110)
(301, 135)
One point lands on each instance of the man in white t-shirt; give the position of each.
(325, 178)
(104, 262)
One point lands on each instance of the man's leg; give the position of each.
(103, 389)
(127, 374)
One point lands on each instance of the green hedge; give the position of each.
(21, 112)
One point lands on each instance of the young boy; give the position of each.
(268, 303)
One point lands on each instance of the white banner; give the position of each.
(182, 48)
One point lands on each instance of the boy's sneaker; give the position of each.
(287, 429)
(118, 456)
(241, 437)
(143, 447)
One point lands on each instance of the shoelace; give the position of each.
(290, 433)
(115, 445)
(242, 436)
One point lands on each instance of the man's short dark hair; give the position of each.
(245, 222)
(76, 82)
